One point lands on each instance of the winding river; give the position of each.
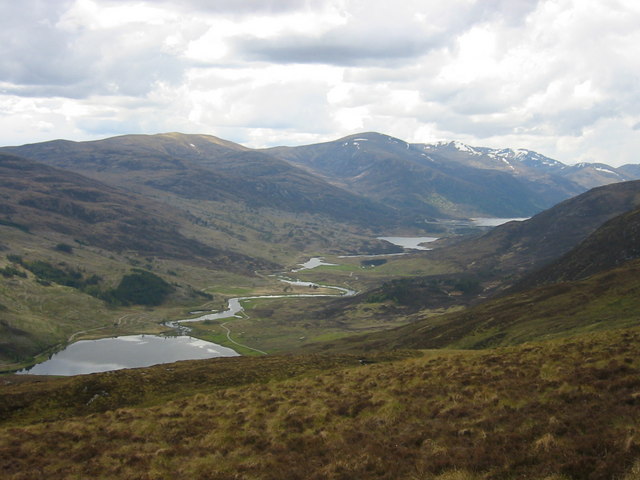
(133, 351)
(235, 306)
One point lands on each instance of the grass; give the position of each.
(38, 319)
(284, 324)
(602, 302)
(564, 409)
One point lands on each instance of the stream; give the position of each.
(234, 306)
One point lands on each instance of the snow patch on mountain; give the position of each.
(606, 170)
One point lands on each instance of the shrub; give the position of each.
(141, 288)
(64, 247)
(10, 271)
(48, 273)
(14, 258)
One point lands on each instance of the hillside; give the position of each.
(594, 286)
(199, 168)
(524, 314)
(39, 198)
(613, 244)
(68, 242)
(604, 301)
(497, 414)
(510, 250)
(404, 176)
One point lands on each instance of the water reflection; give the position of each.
(412, 243)
(91, 356)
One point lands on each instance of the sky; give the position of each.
(561, 77)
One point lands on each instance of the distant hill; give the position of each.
(613, 244)
(369, 179)
(405, 176)
(41, 198)
(515, 248)
(201, 167)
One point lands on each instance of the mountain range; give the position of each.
(449, 179)
(369, 179)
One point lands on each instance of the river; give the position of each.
(134, 351)
(235, 306)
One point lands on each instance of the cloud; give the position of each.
(332, 48)
(234, 7)
(559, 75)
(71, 50)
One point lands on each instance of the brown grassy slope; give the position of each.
(43, 198)
(614, 243)
(32, 399)
(508, 251)
(605, 301)
(562, 410)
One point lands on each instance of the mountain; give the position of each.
(369, 179)
(515, 248)
(591, 175)
(205, 168)
(531, 165)
(632, 169)
(610, 246)
(397, 173)
(516, 161)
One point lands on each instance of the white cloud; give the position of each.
(557, 76)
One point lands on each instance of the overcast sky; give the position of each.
(561, 77)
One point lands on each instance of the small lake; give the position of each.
(495, 222)
(91, 356)
(311, 264)
(412, 243)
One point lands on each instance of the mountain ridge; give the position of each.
(369, 171)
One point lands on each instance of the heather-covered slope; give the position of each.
(41, 198)
(510, 250)
(558, 410)
(204, 168)
(613, 244)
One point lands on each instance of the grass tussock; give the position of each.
(560, 410)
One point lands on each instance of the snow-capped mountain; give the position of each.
(528, 163)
